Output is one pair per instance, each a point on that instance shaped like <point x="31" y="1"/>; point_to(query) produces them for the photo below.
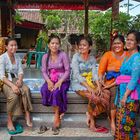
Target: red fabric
<point x="30" y="25"/>
<point x="61" y="6"/>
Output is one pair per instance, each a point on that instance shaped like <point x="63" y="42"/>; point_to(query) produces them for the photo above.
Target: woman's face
<point x="54" y="45"/>
<point x="117" y="45"/>
<point x="84" y="47"/>
<point x="131" y="43"/>
<point x="12" y="47"/>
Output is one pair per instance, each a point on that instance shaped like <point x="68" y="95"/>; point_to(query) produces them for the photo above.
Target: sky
<point x="133" y="10"/>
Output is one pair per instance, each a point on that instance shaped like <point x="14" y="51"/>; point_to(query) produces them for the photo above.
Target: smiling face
<point x="84" y="47"/>
<point x="54" y="45"/>
<point x="117" y="45"/>
<point x="12" y="47"/>
<point x="131" y="43"/>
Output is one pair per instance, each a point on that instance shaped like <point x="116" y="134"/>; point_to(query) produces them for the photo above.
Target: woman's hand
<point x="15" y="89"/>
<point x="99" y="91"/>
<point x="19" y="83"/>
<point x="58" y="85"/>
<point x="123" y="101"/>
<point x="90" y="92"/>
<point x="50" y="85"/>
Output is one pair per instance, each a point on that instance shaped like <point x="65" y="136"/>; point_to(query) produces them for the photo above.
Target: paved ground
<point x="73" y="128"/>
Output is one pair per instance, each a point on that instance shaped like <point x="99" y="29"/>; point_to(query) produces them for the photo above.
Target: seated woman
<point x="16" y="93"/>
<point x="56" y="72"/>
<point x="110" y="65"/>
<point x="84" y="73"/>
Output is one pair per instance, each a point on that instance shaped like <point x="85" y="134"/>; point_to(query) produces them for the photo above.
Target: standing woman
<point x="15" y="91"/>
<point x="110" y="64"/>
<point x="56" y="72"/>
<point x="129" y="91"/>
<point x="84" y="64"/>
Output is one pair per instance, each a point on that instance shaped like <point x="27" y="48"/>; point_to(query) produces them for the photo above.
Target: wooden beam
<point x="86" y="6"/>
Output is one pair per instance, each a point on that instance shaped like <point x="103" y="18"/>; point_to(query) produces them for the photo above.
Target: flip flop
<point x="11" y="132"/>
<point x="55" y="130"/>
<point x="43" y="129"/>
<point x="19" y="128"/>
<point x="100" y="130"/>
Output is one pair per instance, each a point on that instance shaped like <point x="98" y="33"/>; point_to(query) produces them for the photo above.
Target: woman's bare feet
<point x="112" y="125"/>
<point x="61" y="115"/>
<point x="10" y="125"/>
<point x="28" y="119"/>
<point x="88" y="119"/>
<point x="57" y="121"/>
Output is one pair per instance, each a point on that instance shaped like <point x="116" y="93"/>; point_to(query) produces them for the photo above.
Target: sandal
<point x="19" y="128"/>
<point x="43" y="129"/>
<point x="99" y="130"/>
<point x="55" y="130"/>
<point x="11" y="132"/>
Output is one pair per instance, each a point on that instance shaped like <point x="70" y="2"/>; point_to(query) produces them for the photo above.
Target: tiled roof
<point x="33" y="16"/>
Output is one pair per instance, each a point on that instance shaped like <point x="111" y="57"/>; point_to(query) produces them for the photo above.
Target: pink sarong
<point x="126" y="79"/>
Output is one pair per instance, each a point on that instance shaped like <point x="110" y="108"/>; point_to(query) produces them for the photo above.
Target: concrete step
<point x="73" y="128"/>
<point x="76" y="104"/>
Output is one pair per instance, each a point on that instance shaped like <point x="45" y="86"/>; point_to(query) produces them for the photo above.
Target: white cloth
<point x="7" y="67"/>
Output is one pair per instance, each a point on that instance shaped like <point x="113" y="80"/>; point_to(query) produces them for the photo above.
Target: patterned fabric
<point x="126" y="122"/>
<point x="126" y="116"/>
<point x="101" y="102"/>
<point x="1" y="85"/>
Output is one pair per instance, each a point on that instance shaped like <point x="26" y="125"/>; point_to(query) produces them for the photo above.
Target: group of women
<point x="114" y="88"/>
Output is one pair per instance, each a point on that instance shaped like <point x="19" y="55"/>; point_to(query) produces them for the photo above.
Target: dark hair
<point x="52" y="36"/>
<point x="137" y="36"/>
<point x="73" y="39"/>
<point x="120" y="37"/>
<point x="85" y="37"/>
<point x="8" y="40"/>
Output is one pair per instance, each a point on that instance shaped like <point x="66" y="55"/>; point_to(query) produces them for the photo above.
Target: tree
<point x="136" y="23"/>
<point x="17" y="18"/>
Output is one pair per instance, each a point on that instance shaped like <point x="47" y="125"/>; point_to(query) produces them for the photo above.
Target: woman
<point x="84" y="73"/>
<point x="128" y="95"/>
<point x="56" y="72"/>
<point x="15" y="91"/>
<point x="110" y="64"/>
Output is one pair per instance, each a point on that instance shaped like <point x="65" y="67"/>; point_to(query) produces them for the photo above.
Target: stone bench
<point x="76" y="104"/>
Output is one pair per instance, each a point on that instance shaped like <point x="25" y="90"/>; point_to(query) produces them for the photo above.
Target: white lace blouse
<point x="7" y="67"/>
